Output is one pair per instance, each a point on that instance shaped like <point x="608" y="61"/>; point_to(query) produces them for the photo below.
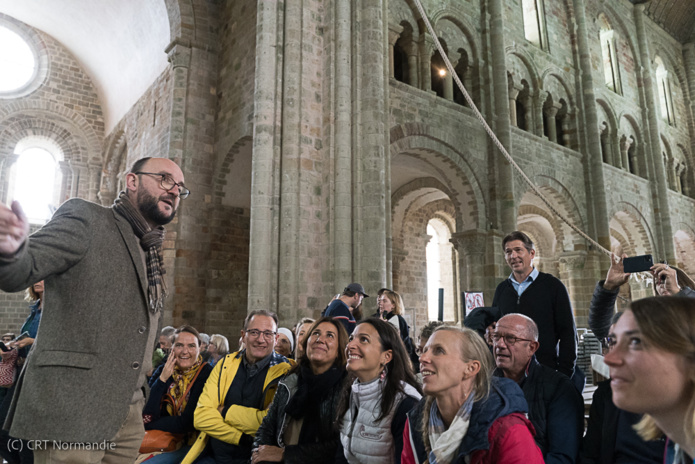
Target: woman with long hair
<point x="300" y="424"/>
<point x="384" y="390"/>
<point x="652" y="367"/>
<point x="467" y="416"/>
<point x="174" y="394"/>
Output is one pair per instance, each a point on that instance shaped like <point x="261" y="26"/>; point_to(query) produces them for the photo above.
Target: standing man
<point x="555" y="407"/>
<point x="238" y="392"/>
<point x="342" y="307"/>
<point x="541" y="297"/>
<point x="103" y="274"/>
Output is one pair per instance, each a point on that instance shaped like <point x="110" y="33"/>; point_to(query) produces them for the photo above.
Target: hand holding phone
<point x="638" y="263"/>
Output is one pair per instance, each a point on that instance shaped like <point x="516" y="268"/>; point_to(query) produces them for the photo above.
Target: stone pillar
<point x="595" y="185"/>
<point x="412" y="67"/>
<point x="395" y="31"/>
<point x="538" y="111"/>
<point x="290" y="279"/>
<point x="372" y="140"/>
<point x="689" y="65"/>
<point x="572" y="275"/>
<point x="94" y="181"/>
<point x="550" y="114"/>
<point x="471" y="247"/>
<point x="624" y="148"/>
<point x="448" y="86"/>
<point x="263" y="242"/>
<point x="664" y="233"/>
<point x="513" y="94"/>
<point x="426" y="51"/>
<point x="503" y="191"/>
<point x="343" y="165"/>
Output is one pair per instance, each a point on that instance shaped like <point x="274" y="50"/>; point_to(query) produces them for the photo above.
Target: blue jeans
<point x="173" y="457"/>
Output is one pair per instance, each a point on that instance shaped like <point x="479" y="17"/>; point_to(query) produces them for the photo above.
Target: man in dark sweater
<point x="555" y="407"/>
<point x="541" y="297"/>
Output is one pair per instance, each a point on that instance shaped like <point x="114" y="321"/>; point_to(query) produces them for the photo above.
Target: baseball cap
<point x="357" y="288"/>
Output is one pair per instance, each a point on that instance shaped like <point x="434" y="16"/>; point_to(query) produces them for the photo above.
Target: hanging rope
<point x="494" y="138"/>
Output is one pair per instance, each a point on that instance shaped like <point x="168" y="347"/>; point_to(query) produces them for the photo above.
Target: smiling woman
<point x="300" y="425"/>
<point x="465" y="407"/>
<point x="175" y="388"/>
<point x="652" y="365"/>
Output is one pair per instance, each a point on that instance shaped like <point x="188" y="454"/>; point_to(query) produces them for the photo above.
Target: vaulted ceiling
<point x="120" y="43"/>
<point x="677" y="17"/>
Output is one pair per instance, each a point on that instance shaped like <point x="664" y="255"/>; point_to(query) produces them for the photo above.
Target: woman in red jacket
<point x="467" y="415"/>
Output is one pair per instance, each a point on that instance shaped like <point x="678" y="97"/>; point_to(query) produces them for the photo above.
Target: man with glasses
<point x="237" y="394"/>
<point x="556" y="409"/>
<point x="104" y="287"/>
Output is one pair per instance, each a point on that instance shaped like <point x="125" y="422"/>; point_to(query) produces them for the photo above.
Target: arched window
<point x="440" y="270"/>
<point x="439" y="74"/>
<point x="17" y="61"/>
<point x="34" y="178"/>
<point x="663" y="85"/>
<point x="534" y="23"/>
<point x="611" y="65"/>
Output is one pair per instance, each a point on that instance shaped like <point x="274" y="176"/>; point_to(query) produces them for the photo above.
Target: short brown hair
<point x="517" y="235"/>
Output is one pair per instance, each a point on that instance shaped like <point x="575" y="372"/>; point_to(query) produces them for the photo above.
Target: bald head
<point x="153" y="185"/>
<point x="525" y="324"/>
<point x="515" y="341"/>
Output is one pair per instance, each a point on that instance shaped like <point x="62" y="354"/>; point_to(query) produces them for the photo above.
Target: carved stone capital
<point x="469" y="242"/>
<point x="180" y="56"/>
<point x="572" y="261"/>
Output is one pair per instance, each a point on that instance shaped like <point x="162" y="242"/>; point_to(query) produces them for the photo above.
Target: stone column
<point x="538" y="111"/>
<point x="395" y="31"/>
<point x="263" y="243"/>
<point x="550" y="114"/>
<point x="343" y="164"/>
<point x="689" y="65"/>
<point x="664" y="233"/>
<point x="448" y="86"/>
<point x="624" y="148"/>
<point x="426" y="51"/>
<point x="290" y="281"/>
<point x="571" y="274"/>
<point x="412" y="67"/>
<point x="595" y="185"/>
<point x="513" y="94"/>
<point x="503" y="191"/>
<point x="372" y="140"/>
<point x="94" y="181"/>
<point x="471" y="247"/>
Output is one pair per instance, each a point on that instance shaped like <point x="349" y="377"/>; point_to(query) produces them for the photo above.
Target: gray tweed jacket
<point x="96" y="334"/>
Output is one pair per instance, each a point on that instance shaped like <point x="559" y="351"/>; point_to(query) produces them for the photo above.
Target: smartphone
<point x="638" y="263"/>
<point x="4" y="348"/>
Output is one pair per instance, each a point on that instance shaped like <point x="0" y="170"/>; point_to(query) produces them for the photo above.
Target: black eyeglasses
<point x="168" y="183"/>
<point x="255" y="333"/>
<point x="509" y="339"/>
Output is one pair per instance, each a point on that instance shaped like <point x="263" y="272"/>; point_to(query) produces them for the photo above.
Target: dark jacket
<point x="556" y="410"/>
<point x="602" y="308"/>
<point x="273" y="427"/>
<point x="546" y="302"/>
<point x="608" y="426"/>
<point x="155" y="411"/>
<point x="498" y="431"/>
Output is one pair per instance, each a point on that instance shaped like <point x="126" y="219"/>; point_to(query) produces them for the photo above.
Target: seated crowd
<point x="342" y="389"/>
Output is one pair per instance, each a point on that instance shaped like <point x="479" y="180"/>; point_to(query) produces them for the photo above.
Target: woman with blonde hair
<point x="391" y="308"/>
<point x="652" y="366"/>
<point x="218" y="348"/>
<point x="467" y="415"/>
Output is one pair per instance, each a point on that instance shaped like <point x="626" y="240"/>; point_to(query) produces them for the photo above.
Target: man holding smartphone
<point x="104" y="287"/>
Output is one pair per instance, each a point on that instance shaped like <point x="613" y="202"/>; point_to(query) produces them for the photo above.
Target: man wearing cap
<point x="341" y="308"/>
